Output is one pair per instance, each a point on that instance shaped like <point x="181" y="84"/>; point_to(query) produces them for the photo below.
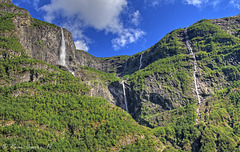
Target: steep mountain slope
<point x="163" y="92"/>
<point x="44" y="106"/>
<point x="168" y="83"/>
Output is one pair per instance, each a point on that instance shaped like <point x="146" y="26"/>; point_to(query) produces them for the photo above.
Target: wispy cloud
<point x="135" y="17"/>
<point x="155" y="3"/>
<point x="235" y="3"/>
<point x="33" y="2"/>
<point x="197" y="3"/>
<point x="126" y="37"/>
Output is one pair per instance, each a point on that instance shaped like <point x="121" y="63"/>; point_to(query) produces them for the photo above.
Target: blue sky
<point x="108" y="28"/>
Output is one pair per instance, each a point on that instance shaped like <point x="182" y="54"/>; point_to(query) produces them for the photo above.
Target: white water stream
<point x="140" y="64"/>
<point x="62" y="59"/>
<point x="194" y="73"/>
<point x="124" y="94"/>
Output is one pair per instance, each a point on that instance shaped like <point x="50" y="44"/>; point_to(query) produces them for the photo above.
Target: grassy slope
<point x="216" y="53"/>
<point x="50" y="107"/>
<point x="53" y="109"/>
<point x="215" y="50"/>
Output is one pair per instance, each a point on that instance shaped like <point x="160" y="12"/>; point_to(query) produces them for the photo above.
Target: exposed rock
<point x="6" y="1"/>
<point x="8" y="7"/>
<point x="110" y="65"/>
<point x="43" y="42"/>
<point x="229" y="24"/>
<point x="100" y="90"/>
<point x="116" y="90"/>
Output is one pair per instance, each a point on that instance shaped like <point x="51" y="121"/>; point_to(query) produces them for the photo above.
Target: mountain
<point x="181" y="94"/>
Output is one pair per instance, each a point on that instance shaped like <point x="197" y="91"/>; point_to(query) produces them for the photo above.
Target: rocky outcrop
<point x="229" y="24"/>
<point x="161" y="91"/>
<point x="42" y="41"/>
<point x="86" y="59"/>
<point x="8" y="7"/>
<point x="113" y="93"/>
<point x="30" y="75"/>
<point x="111" y="65"/>
<point x="116" y="90"/>
<point x="6" y="2"/>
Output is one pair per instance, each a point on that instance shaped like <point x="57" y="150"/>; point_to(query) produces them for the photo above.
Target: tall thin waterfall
<point x="124" y="94"/>
<point x="62" y="60"/>
<point x="140" y="64"/>
<point x="195" y="70"/>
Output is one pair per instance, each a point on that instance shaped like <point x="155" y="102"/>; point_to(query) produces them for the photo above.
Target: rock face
<point x="6" y="1"/>
<point x="148" y="92"/>
<point x="160" y="92"/>
<point x="116" y="90"/>
<point x="43" y="42"/>
<point x="226" y="24"/>
<point x="126" y="65"/>
<point x="8" y="7"/>
<point x="110" y="65"/>
<point x="113" y="93"/>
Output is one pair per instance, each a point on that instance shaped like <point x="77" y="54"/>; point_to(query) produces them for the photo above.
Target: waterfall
<point x="62" y="60"/>
<point x="140" y="64"/>
<point x="72" y="72"/>
<point x="195" y="70"/>
<point x="124" y="94"/>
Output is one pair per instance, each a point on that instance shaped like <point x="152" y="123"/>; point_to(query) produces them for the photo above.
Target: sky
<point x="106" y="28"/>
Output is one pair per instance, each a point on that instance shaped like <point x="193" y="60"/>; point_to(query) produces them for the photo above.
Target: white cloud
<point x="235" y="3"/>
<point x="33" y="2"/>
<point x="126" y="37"/>
<point x="155" y="3"/>
<point x="81" y="45"/>
<point x="196" y="2"/>
<point x="104" y="15"/>
<point x="100" y="14"/>
<point x="135" y="17"/>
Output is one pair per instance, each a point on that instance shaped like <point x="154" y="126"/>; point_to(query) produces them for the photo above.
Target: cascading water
<point x="194" y="73"/>
<point x="124" y="94"/>
<point x="140" y="64"/>
<point x="62" y="59"/>
<point x="72" y="72"/>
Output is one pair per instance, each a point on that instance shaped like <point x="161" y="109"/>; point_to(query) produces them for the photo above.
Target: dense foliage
<point x="96" y="75"/>
<point x="44" y="107"/>
<point x="53" y="113"/>
<point x="217" y="54"/>
<point x="36" y="23"/>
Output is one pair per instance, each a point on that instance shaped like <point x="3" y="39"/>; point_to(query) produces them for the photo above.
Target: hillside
<point x="182" y="94"/>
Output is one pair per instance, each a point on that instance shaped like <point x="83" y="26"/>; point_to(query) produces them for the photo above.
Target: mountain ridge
<point x="69" y="112"/>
